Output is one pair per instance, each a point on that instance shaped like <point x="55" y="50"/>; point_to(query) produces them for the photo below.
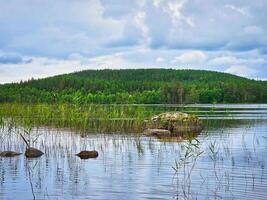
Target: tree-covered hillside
<point x="137" y="86"/>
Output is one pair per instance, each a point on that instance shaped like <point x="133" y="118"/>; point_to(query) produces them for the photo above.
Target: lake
<point x="226" y="161"/>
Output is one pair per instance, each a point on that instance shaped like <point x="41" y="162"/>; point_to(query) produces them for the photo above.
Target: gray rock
<point x="177" y="123"/>
<point x="9" y="154"/>
<point x="87" y="154"/>
<point x="33" y="153"/>
<point x="157" y="132"/>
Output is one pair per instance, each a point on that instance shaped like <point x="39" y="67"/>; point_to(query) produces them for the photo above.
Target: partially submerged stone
<point x="33" y="153"/>
<point x="87" y="154"/>
<point x="157" y="132"/>
<point x="9" y="154"/>
<point x="177" y="123"/>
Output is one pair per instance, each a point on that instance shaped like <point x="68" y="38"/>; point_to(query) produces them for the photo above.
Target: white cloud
<point x="174" y="9"/>
<point x="224" y="60"/>
<point x="241" y="70"/>
<point x="115" y="61"/>
<point x="232" y="60"/>
<point x="253" y="30"/>
<point x="160" y="60"/>
<point x="190" y="22"/>
<point x="95" y="33"/>
<point x="139" y="20"/>
<point x="178" y="17"/>
<point x="41" y="67"/>
<point x="250" y="64"/>
<point x="191" y="57"/>
<point x="156" y="3"/>
<point x="56" y="27"/>
<point x="239" y="10"/>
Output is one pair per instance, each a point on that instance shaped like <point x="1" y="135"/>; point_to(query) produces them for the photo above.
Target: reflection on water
<point x="226" y="161"/>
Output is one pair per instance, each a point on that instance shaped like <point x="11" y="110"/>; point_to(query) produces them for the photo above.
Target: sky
<point x="45" y="38"/>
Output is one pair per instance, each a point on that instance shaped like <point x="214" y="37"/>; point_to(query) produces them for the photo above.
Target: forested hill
<point x="137" y="86"/>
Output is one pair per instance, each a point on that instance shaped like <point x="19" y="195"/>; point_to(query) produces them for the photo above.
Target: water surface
<point x="226" y="161"/>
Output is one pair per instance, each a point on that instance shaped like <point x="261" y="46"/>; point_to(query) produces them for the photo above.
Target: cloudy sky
<point x="43" y="38"/>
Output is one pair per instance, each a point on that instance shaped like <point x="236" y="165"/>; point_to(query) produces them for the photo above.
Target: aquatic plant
<point x="185" y="165"/>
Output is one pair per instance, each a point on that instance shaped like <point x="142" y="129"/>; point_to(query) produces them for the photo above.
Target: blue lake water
<point x="226" y="161"/>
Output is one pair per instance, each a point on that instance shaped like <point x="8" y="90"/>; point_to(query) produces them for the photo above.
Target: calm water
<point x="226" y="161"/>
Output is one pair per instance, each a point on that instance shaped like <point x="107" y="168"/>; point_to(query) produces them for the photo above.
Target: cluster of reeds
<point x="89" y="118"/>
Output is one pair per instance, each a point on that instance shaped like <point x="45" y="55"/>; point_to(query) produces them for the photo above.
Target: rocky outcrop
<point x="87" y="154"/>
<point x="9" y="154"/>
<point x="173" y="124"/>
<point x="33" y="153"/>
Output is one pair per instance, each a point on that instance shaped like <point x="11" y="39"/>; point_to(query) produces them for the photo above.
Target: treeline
<point x="145" y="86"/>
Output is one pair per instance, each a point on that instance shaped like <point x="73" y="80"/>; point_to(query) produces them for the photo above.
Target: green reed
<point x="106" y="118"/>
<point x="100" y="118"/>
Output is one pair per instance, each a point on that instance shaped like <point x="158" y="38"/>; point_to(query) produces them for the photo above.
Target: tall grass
<point x="93" y="117"/>
<point x="101" y="118"/>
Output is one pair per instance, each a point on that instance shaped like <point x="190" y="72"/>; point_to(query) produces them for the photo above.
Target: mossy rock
<point x="177" y="123"/>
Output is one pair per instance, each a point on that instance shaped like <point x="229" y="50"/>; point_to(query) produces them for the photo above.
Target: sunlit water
<point x="229" y="162"/>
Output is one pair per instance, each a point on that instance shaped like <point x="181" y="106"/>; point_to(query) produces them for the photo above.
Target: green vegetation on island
<point x="137" y="86"/>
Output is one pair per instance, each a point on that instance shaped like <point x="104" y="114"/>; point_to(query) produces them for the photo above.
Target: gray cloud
<point x="10" y="59"/>
<point x="217" y="35"/>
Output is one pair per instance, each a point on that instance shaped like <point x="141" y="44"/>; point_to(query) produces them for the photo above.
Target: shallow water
<point x="227" y="161"/>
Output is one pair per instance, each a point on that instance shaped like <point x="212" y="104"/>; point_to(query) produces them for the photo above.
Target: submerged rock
<point x="33" y="153"/>
<point x="157" y="132"/>
<point x="177" y="123"/>
<point x="9" y="154"/>
<point x="87" y="154"/>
